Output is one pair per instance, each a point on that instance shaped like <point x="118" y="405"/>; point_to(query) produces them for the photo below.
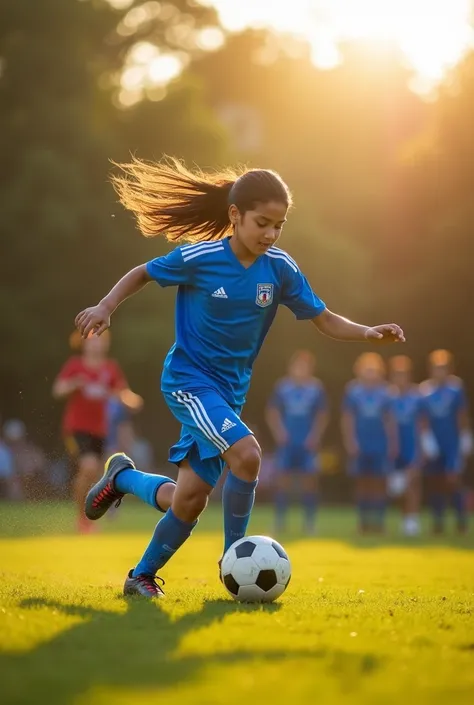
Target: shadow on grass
<point x="134" y="650"/>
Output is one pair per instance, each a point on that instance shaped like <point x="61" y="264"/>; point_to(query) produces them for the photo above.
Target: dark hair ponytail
<point x="170" y="200"/>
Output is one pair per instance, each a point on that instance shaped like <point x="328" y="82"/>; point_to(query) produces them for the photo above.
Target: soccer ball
<point x="256" y="569"/>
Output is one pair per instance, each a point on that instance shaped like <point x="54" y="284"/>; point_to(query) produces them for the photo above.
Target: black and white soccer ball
<point x="256" y="569"/>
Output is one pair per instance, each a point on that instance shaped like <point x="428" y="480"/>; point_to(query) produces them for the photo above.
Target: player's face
<point x="440" y="372"/>
<point x="401" y="378"/>
<point x="370" y="374"/>
<point x="259" y="229"/>
<point x="96" y="346"/>
<point x="300" y="369"/>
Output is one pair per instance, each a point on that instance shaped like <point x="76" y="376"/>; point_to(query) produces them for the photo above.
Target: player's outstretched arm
<point x="97" y="318"/>
<point x="340" y="328"/>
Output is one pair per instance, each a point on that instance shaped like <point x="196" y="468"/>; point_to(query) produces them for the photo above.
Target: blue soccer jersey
<point x="441" y="404"/>
<point x="299" y="405"/>
<point x="406" y="411"/>
<point x="369" y="406"/>
<point x="224" y="311"/>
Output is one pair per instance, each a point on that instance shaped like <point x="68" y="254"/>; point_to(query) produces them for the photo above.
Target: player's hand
<point x="95" y="319"/>
<point x="133" y="402"/>
<point x="386" y="333"/>
<point x="78" y="382"/>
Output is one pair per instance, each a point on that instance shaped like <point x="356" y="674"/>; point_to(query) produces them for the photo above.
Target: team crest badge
<point x="264" y="295"/>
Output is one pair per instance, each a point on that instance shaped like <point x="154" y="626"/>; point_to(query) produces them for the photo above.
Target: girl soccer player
<point x="297" y="418"/>
<point x="231" y="279"/>
<point x="87" y="381"/>
<point x="447" y="438"/>
<point x="369" y="436"/>
<point x="405" y="397"/>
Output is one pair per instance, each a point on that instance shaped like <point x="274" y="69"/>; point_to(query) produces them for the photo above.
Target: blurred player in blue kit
<point x="230" y="280"/>
<point x="120" y="411"/>
<point x="297" y="417"/>
<point x="406" y="476"/>
<point x="370" y="439"/>
<point x="446" y="439"/>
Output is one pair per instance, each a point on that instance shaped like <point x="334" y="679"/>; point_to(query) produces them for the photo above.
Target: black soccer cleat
<point x="103" y="494"/>
<point x="143" y="585"/>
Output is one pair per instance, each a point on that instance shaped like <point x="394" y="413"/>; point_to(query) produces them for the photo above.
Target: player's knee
<point x="247" y="461"/>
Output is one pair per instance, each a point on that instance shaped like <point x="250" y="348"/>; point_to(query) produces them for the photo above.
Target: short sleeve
<point x="388" y="403"/>
<point x="419" y="408"/>
<point x="348" y="401"/>
<point x="171" y="269"/>
<point x="276" y="398"/>
<point x="461" y="398"/>
<point x="322" y="400"/>
<point x="70" y="369"/>
<point x="422" y="405"/>
<point x="298" y="296"/>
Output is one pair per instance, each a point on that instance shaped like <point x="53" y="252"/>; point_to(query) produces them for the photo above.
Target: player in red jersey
<point x="87" y="381"/>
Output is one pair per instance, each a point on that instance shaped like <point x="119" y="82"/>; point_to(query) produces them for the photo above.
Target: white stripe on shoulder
<point x="273" y="255"/>
<point x="204" y="250"/>
<point x="198" y="245"/>
<point x="279" y="251"/>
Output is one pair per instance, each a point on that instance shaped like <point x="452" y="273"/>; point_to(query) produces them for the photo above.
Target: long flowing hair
<point x="182" y="205"/>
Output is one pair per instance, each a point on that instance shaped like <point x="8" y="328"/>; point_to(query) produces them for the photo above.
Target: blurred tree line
<point x="382" y="181"/>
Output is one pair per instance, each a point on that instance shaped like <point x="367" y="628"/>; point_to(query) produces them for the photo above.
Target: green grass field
<point x="363" y="621"/>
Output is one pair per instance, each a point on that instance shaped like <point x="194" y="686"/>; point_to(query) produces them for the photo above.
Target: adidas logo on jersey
<point x="227" y="425"/>
<point x="220" y="293"/>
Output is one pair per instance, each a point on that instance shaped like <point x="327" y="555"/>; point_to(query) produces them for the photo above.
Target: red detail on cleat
<point x="108" y="493"/>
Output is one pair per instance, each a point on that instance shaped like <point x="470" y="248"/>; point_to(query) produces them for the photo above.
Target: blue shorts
<point x="373" y="464"/>
<point x="296" y="459"/>
<point x="209" y="427"/>
<point x="449" y="462"/>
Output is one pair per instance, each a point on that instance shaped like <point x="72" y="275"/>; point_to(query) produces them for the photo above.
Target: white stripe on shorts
<point x="193" y="409"/>
<point x="204" y="413"/>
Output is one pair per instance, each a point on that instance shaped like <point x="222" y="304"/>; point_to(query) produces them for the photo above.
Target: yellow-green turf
<point x="363" y="622"/>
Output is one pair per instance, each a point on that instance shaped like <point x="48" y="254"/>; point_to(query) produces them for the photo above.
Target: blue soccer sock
<point x="379" y="508"/>
<point x="281" y="507"/>
<point x="310" y="504"/>
<point x="460" y="506"/>
<point x="238" y="497"/>
<point x="438" y="506"/>
<point x="169" y="535"/>
<point x="363" y="510"/>
<point x="143" y="485"/>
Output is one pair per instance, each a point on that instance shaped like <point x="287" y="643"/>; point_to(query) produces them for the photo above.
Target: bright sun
<point x="431" y="34"/>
